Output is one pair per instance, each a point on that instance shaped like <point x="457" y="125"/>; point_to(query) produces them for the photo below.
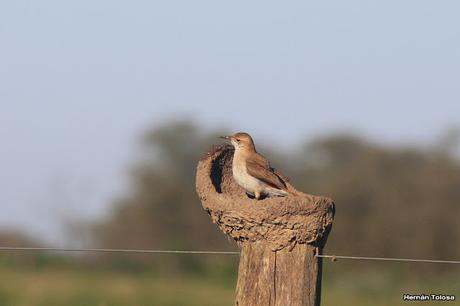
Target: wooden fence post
<point x="279" y="237"/>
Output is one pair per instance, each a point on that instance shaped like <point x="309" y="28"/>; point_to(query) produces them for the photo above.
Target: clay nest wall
<point x="283" y="222"/>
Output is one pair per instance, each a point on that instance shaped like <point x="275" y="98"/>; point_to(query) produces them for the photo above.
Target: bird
<point x="252" y="171"/>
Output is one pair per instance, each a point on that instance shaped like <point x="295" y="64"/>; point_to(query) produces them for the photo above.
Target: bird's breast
<point x="241" y="176"/>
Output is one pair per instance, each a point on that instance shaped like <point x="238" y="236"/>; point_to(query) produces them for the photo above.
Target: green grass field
<point x="77" y="285"/>
<point x="70" y="287"/>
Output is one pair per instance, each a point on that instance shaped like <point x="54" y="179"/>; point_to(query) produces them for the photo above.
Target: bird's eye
<point x="237" y="140"/>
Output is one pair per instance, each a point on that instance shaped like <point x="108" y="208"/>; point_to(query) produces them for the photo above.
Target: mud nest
<point x="282" y="222"/>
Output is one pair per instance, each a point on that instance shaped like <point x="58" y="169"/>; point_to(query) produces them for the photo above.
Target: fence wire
<point x="139" y="251"/>
<point x="335" y="257"/>
<point x="198" y="252"/>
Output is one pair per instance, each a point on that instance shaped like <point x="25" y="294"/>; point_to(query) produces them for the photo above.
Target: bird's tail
<point x="278" y="192"/>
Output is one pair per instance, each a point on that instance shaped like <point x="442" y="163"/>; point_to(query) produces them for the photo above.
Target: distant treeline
<point x="390" y="201"/>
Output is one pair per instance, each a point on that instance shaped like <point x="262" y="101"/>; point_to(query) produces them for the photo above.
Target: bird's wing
<point x="258" y="167"/>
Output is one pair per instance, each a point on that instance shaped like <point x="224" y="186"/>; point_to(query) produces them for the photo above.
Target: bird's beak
<point x="226" y="137"/>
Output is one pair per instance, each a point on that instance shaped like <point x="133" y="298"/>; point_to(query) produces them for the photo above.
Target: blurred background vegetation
<point x="80" y="80"/>
<point x="395" y="201"/>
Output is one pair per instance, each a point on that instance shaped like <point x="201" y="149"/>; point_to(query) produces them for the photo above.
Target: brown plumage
<point x="252" y="171"/>
<point x="259" y="167"/>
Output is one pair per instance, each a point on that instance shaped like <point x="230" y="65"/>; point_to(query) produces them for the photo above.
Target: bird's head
<point x="240" y="140"/>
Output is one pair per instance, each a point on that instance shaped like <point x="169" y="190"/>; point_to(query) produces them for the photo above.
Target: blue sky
<point x="80" y="80"/>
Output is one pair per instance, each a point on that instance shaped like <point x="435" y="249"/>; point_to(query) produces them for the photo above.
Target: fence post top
<point x="282" y="222"/>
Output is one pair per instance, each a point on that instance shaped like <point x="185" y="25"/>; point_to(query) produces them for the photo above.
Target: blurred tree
<point x="16" y="239"/>
<point x="162" y="210"/>
<point x="391" y="201"/>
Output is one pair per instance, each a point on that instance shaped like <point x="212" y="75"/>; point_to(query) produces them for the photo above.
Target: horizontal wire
<point x="116" y="250"/>
<point x="334" y="257"/>
<point x="149" y="251"/>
